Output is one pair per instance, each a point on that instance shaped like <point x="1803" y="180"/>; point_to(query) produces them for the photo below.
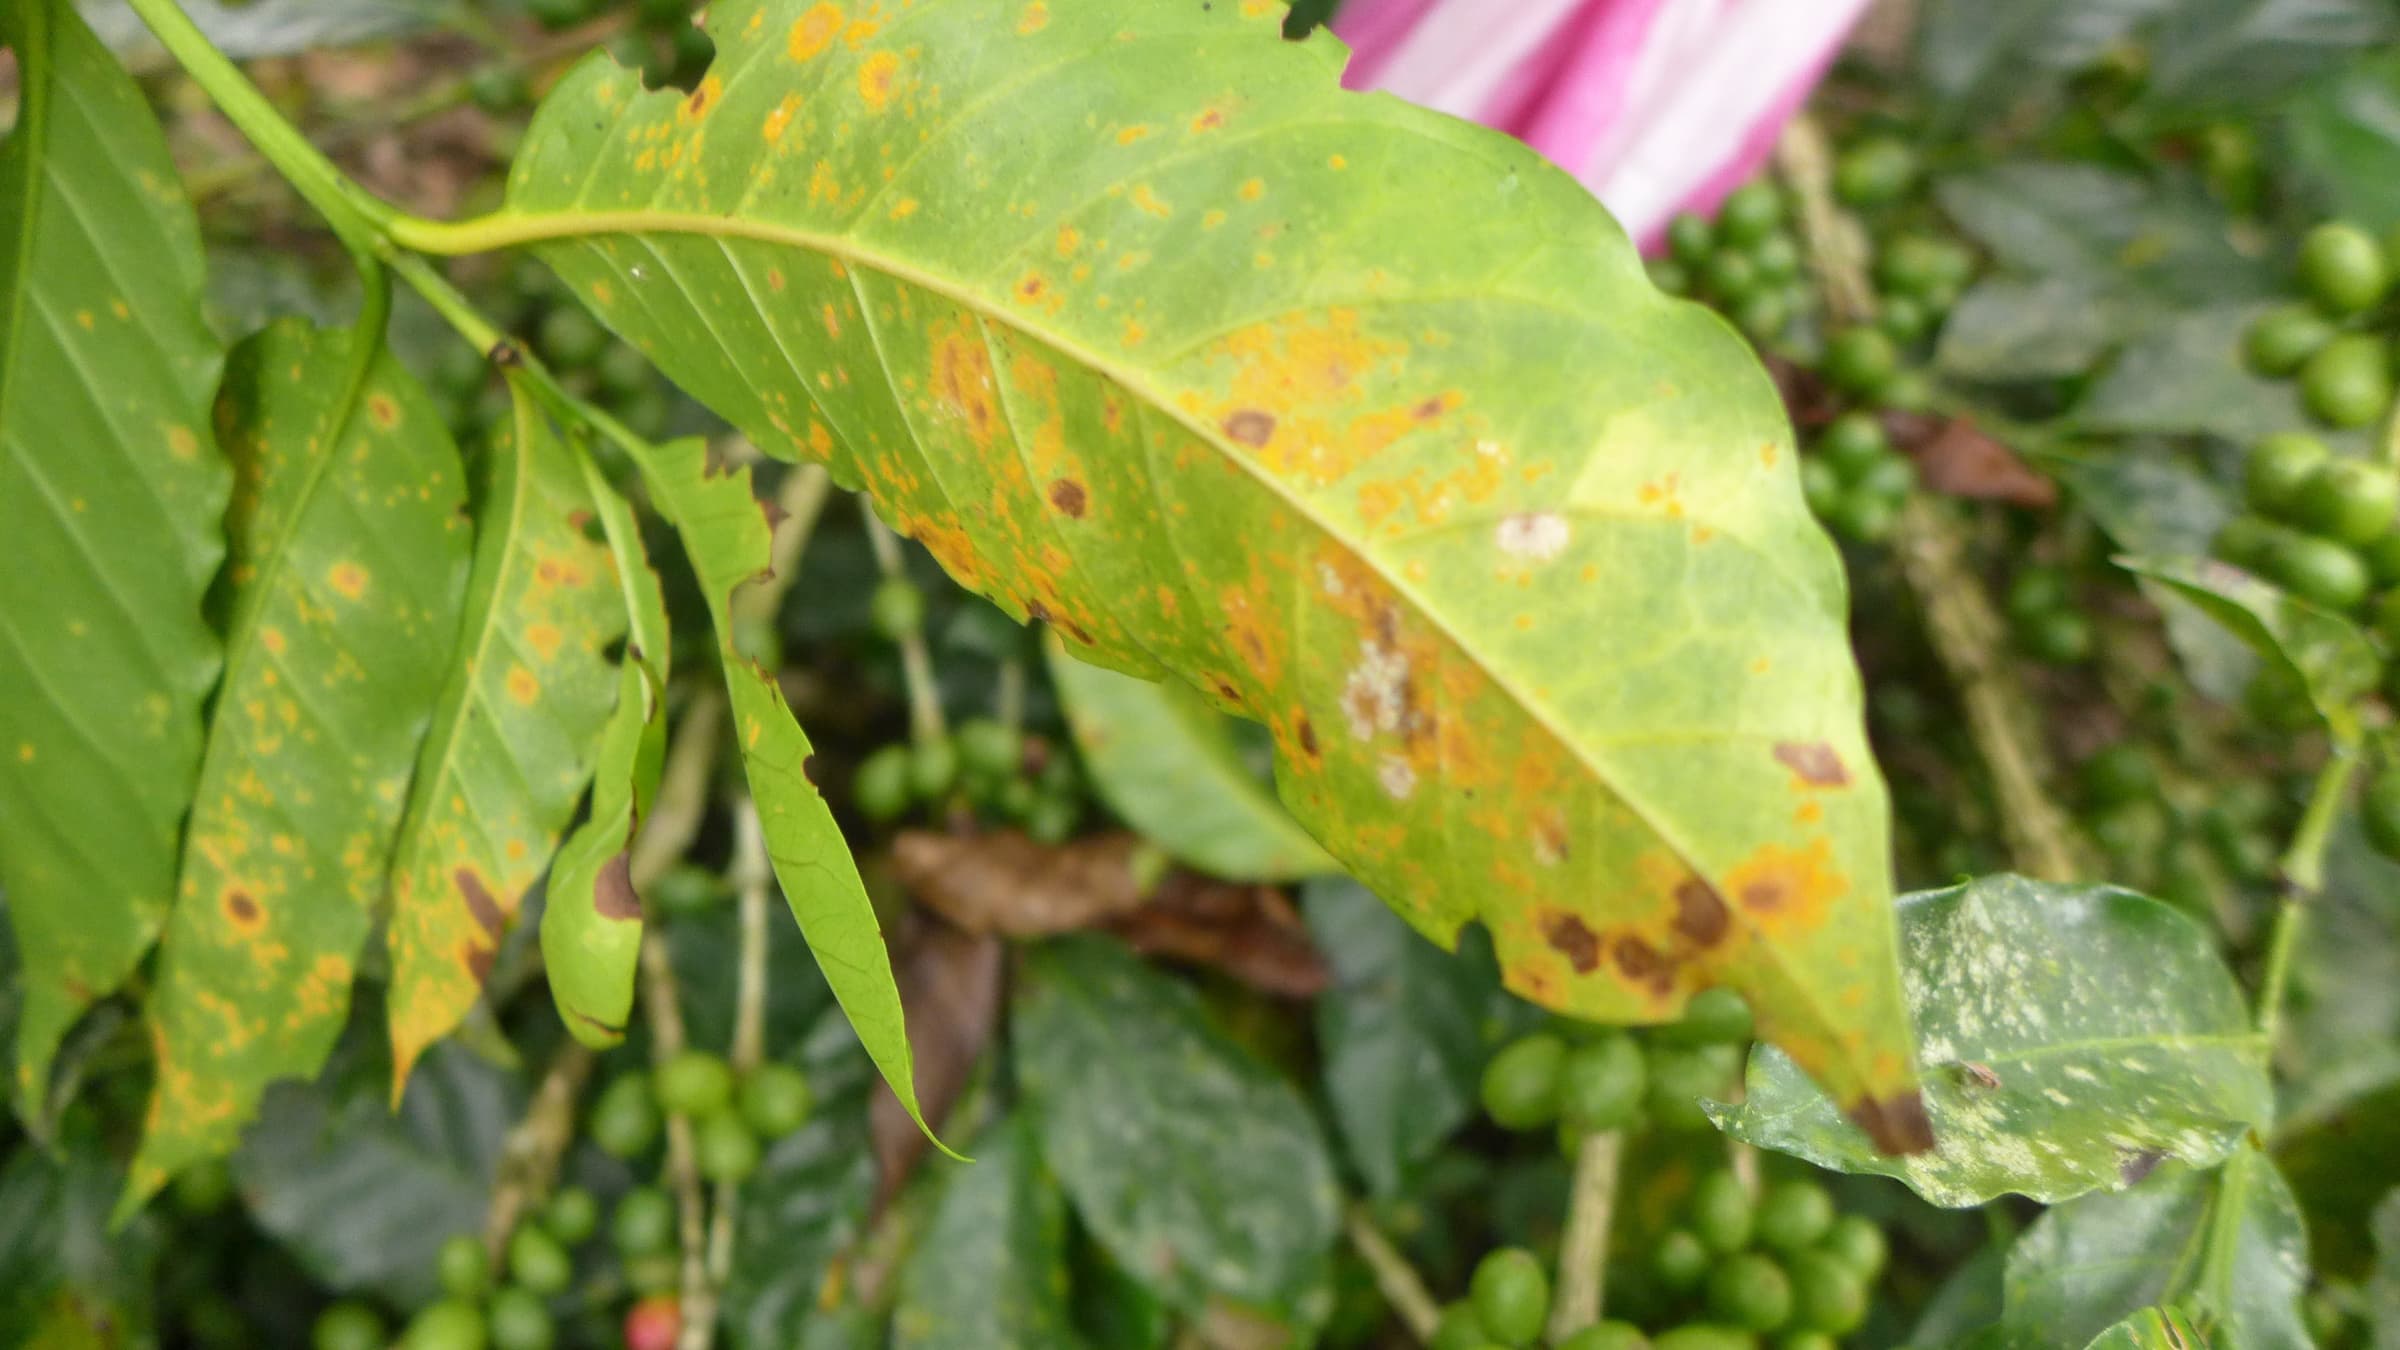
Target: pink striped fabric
<point x="1658" y="106"/>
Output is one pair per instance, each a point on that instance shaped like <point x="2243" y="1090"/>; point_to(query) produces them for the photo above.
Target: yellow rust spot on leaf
<point x="181" y="443"/>
<point x="383" y="410"/>
<point x="522" y="686"/>
<point x="1788" y="890"/>
<point x="814" y="31"/>
<point x="1252" y="189"/>
<point x="1035" y="18"/>
<point x="875" y="78"/>
<point x="962" y="380"/>
<point x="272" y="639"/>
<point x="702" y="101"/>
<point x="544" y="638"/>
<point x="348" y="579"/>
<point x="904" y="208"/>
<point x="1151" y="202"/>
<point x="778" y="118"/>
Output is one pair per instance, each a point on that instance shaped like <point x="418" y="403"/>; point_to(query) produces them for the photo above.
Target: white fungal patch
<point x="1535" y="536"/>
<point x="1374" y="695"/>
<point x="1398" y="777"/>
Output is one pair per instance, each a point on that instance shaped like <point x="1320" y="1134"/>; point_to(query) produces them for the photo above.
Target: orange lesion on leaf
<point x="904" y="208"/>
<point x="181" y="443"/>
<point x="1145" y="199"/>
<point x="814" y="31"/>
<point x="545" y="639"/>
<point x="383" y="410"/>
<point x="348" y="579"/>
<point x="876" y="78"/>
<point x="1664" y="494"/>
<point x="779" y="118"/>
<point x="702" y="101"/>
<point x="1252" y="189"/>
<point x="522" y="686"/>
<point x="1788" y="889"/>
<point x="962" y="380"/>
<point x="1138" y="131"/>
<point x="1035" y="18"/>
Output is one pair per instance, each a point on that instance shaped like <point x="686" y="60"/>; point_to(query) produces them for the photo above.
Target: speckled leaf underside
<point x="514" y="738"/>
<point x="349" y="541"/>
<point x="1360" y="420"/>
<point x="2073" y="1037"/>
<point x="112" y="494"/>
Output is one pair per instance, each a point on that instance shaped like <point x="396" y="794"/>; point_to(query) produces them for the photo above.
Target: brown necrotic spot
<point x="240" y="908"/>
<point x="1573" y="939"/>
<point x="1700" y="913"/>
<point x="1896" y="1124"/>
<point x="1250" y="426"/>
<point x="613" y="896"/>
<point x="1067" y="495"/>
<point x="480" y="904"/>
<point x="1814" y="763"/>
<point x="477" y="959"/>
<point x="1638" y="961"/>
<point x="1307" y="732"/>
<point x="808" y="770"/>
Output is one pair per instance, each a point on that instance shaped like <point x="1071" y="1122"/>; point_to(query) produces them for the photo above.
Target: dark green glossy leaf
<point x="112" y="493"/>
<point x="513" y="739"/>
<point x="1966" y="1302"/>
<point x="591" y="918"/>
<point x="2073" y="1036"/>
<point x="2214" y="56"/>
<point x="1168" y="765"/>
<point x="2185" y="376"/>
<point x="2342" y="1012"/>
<point x="1196" y="1165"/>
<point x="1163" y="358"/>
<point x="2154" y="504"/>
<point x="1976" y="58"/>
<point x="990" y="1271"/>
<point x="2344" y="136"/>
<point x="2323" y="652"/>
<point x="2011" y="328"/>
<point x="349" y="552"/>
<point x="363" y="1195"/>
<point x="1403" y="1031"/>
<point x="61" y="1265"/>
<point x="2084" y="1266"/>
<point x="808" y="1201"/>
<point x="2383" y="1287"/>
<point x="728" y="535"/>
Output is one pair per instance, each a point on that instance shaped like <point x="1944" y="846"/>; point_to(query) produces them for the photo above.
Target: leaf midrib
<point x="511" y="226"/>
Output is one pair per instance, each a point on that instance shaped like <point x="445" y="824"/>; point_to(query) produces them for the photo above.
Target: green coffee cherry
<point x="2348" y="383"/>
<point x="2348" y="500"/>
<point x="1860" y="361"/>
<point x="1909" y="391"/>
<point x="2035" y="591"/>
<point x="1750" y="1291"/>
<point x="1875" y="172"/>
<point x="1923" y="268"/>
<point x="1691" y="239"/>
<point x="1762" y="315"/>
<point x="1511" y="1293"/>
<point x="497" y="88"/>
<point x="932" y="769"/>
<point x="776" y="1100"/>
<point x="520" y="1321"/>
<point x="725" y="1147"/>
<point x="1680" y="1078"/>
<point x="2062" y="637"/>
<point x="1777" y="257"/>
<point x="1601" y="1084"/>
<point x="897" y="609"/>
<point x="2276" y="468"/>
<point x="2245" y="541"/>
<point x="625" y="1118"/>
<point x="2280" y="341"/>
<point x="1793" y="1216"/>
<point x="1711" y="1017"/>
<point x="1750" y="212"/>
<point x="2383" y="559"/>
<point x="1607" y="1336"/>
<point x="1521" y="1083"/>
<point x="644" y="1223"/>
<point x="462" y="1266"/>
<point x="2119" y="774"/>
<point x="348" y="1325"/>
<point x="571" y="339"/>
<point x="1670" y="276"/>
<point x="2342" y="268"/>
<point x="1719" y="1213"/>
<point x="1459" y="1329"/>
<point x="693" y="1083"/>
<point x="881" y="788"/>
<point x="1866" y="517"/>
<point x="989" y="748"/>
<point x="538" y="1262"/>
<point x="1858" y="1243"/>
<point x="2317" y="570"/>
<point x="1680" y="1261"/>
<point x="1852" y="443"/>
<point x="1703" y="1336"/>
<point x="1904" y="319"/>
<point x="1053" y="819"/>
<point x="1731" y="278"/>
<point x="1820" y="486"/>
<point x="452" y="1324"/>
<point x="688" y="888"/>
<point x="1827" y="1295"/>
<point x="571" y="1215"/>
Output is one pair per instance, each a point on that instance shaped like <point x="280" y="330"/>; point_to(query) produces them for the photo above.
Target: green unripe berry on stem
<point x="725" y="1147"/>
<point x="1793" y="1216"/>
<point x="2280" y="341"/>
<point x="1868" y="517"/>
<point x="2348" y="383"/>
<point x="2347" y="500"/>
<point x="1777" y="256"/>
<point x="1875" y="172"/>
<point x="989" y="747"/>
<point x="1827" y="1295"/>
<point x="1703" y="1336"/>
<point x="452" y="1324"/>
<point x="2317" y="570"/>
<point x="2342" y="268"/>
<point x="1459" y="1329"/>
<point x="1511" y="1293"/>
<point x="1712" y="1017"/>
<point x="1750" y="1291"/>
<point x="1691" y="239"/>
<point x="1750" y="212"/>
<point x="520" y="1321"/>
<point x="2276" y="467"/>
<point x="1680" y="1078"/>
<point x="881" y="788"/>
<point x="932" y="769"/>
<point x="538" y="1262"/>
<point x="776" y="1100"/>
<point x="1731" y="278"/>
<point x="1852" y="443"/>
<point x="1521" y="1084"/>
<point x="1719" y="1213"/>
<point x="2061" y="637"/>
<point x="644" y="1222"/>
<point x="1904" y="319"/>
<point x="348" y="1325"/>
<point x="1762" y="315"/>
<point x="1680" y="1261"/>
<point x="2035" y="591"/>
<point x="693" y="1083"/>
<point x="1859" y="1244"/>
<point x="2246" y="540"/>
<point x="1601" y="1085"/>
<point x="897" y="609"/>
<point x="2119" y="774"/>
<point x="1820" y="486"/>
<point x="1607" y="1336"/>
<point x="571" y="1215"/>
<point x="1860" y="361"/>
<point x="462" y="1266"/>
<point x="1670" y="276"/>
<point x="1908" y="391"/>
<point x="625" y="1119"/>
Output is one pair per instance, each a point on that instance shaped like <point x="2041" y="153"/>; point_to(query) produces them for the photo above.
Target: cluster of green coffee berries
<point x="1581" y="1078"/>
<point x="2331" y="343"/>
<point x="2318" y="525"/>
<point x="984" y="763"/>
<point x="1746" y="263"/>
<point x="2044" y="619"/>
<point x="1734" y="1269"/>
<point x="1919" y="275"/>
<point x="1854" y="479"/>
